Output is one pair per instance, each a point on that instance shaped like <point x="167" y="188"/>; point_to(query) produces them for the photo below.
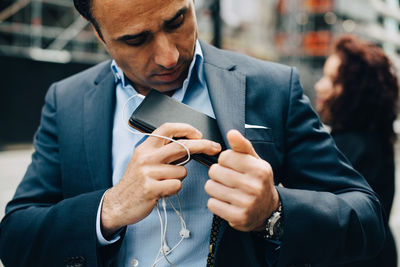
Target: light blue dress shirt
<point x="142" y="240"/>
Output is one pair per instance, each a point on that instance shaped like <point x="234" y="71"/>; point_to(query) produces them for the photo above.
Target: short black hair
<point x="84" y="8"/>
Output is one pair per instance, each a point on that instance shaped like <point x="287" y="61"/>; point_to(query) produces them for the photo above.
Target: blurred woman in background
<point x="357" y="97"/>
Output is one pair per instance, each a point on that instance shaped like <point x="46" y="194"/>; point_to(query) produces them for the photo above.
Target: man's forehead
<point x="137" y="7"/>
<point x="139" y="14"/>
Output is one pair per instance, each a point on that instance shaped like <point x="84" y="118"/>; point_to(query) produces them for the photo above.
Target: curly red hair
<point x="370" y="89"/>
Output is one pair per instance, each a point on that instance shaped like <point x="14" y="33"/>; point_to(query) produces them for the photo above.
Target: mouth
<point x="168" y="76"/>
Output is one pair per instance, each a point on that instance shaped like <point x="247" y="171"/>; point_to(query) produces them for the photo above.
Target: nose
<point x="166" y="54"/>
<point x="317" y="86"/>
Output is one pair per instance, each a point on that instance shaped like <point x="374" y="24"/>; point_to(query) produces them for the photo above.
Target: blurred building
<point x="40" y="42"/>
<point x="306" y="29"/>
<point x="248" y="27"/>
<point x="49" y="31"/>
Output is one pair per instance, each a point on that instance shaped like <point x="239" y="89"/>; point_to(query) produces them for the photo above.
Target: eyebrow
<point x="133" y="36"/>
<point x="144" y="33"/>
<point x="180" y="12"/>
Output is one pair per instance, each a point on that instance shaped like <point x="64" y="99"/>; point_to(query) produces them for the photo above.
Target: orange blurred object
<point x="281" y="7"/>
<point x="318" y="6"/>
<point x="317" y="43"/>
<point x="280" y="41"/>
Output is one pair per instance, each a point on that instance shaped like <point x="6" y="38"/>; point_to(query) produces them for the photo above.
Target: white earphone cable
<point x="184" y="232"/>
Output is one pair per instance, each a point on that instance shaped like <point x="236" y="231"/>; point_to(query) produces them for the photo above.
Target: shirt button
<point x="134" y="263"/>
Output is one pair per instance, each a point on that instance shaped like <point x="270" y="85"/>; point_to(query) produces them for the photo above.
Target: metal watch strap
<point x="271" y="223"/>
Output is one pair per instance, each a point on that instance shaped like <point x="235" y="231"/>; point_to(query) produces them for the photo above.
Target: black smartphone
<point x="157" y="109"/>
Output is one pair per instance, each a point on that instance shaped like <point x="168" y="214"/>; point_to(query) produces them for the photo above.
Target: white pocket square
<point x="250" y="126"/>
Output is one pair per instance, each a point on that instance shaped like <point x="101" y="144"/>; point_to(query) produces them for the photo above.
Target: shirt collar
<point x="196" y="66"/>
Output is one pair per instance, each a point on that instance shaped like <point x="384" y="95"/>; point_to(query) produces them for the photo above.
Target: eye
<point x="137" y="40"/>
<point x="176" y="23"/>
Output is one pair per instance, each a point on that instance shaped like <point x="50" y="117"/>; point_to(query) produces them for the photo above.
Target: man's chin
<point x="166" y="91"/>
<point x="167" y="88"/>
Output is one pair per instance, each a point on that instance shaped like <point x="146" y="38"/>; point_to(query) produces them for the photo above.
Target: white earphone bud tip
<point x="185" y="233"/>
<point x="166" y="248"/>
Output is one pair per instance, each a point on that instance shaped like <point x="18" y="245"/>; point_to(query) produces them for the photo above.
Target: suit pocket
<point x="256" y="135"/>
<point x="265" y="146"/>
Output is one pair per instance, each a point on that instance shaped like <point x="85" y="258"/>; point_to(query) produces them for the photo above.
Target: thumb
<point x="240" y="144"/>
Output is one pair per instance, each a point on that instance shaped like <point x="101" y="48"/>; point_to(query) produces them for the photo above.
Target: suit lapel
<point x="227" y="89"/>
<point x="98" y="124"/>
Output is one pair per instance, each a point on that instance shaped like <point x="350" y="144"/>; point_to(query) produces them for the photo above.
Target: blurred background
<point x="42" y="41"/>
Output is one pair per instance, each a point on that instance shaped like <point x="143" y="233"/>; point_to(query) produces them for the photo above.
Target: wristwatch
<point x="274" y="225"/>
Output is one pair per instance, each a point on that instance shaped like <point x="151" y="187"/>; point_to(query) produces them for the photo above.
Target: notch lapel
<point x="98" y="122"/>
<point x="227" y="89"/>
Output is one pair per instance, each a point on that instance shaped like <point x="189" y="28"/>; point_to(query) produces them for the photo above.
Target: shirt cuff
<point x="100" y="238"/>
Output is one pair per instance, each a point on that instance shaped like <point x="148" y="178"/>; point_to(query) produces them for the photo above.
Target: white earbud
<point x="166" y="248"/>
<point x="184" y="233"/>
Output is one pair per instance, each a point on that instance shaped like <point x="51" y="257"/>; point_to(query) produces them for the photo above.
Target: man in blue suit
<point x="281" y="195"/>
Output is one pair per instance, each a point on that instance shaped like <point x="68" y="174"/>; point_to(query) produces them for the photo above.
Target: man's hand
<point x="150" y="176"/>
<point x="241" y="187"/>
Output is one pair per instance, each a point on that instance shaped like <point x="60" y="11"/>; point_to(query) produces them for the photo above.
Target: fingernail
<point x="199" y="133"/>
<point x="217" y="146"/>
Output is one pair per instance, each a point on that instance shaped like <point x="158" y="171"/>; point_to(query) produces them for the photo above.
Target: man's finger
<point x="165" y="172"/>
<point x="238" y="161"/>
<point x="175" y="151"/>
<point x="241" y="179"/>
<point x="173" y="130"/>
<point x="166" y="188"/>
<point x="240" y="144"/>
<point x="227" y="194"/>
<point x="224" y="175"/>
<point x="226" y="211"/>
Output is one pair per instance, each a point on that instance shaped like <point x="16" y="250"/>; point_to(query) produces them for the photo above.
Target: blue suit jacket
<point x="331" y="215"/>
